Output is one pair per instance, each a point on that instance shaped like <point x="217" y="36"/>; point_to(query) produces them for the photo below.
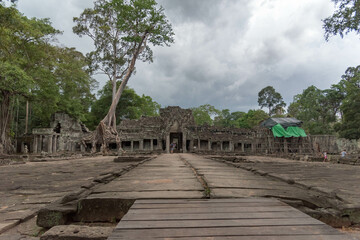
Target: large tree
<point x="270" y="99"/>
<point x="345" y="19"/>
<point x="350" y="83"/>
<point x="315" y="108"/>
<point x="35" y="73"/>
<point x="23" y="46"/>
<point x="137" y="23"/>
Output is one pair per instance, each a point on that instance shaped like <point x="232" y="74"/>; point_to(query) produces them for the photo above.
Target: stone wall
<point x="333" y="144"/>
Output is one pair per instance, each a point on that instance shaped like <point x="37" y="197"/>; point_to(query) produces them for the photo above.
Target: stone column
<point x="199" y="144"/>
<point x="253" y="147"/>
<point x="184" y="143"/>
<point x="168" y="143"/>
<point x="49" y="143"/>
<point x="132" y="146"/>
<point x="35" y="144"/>
<point x="159" y="144"/>
<point x="141" y="144"/>
<point x="209" y="145"/>
<point x="191" y="147"/>
<point x="285" y="146"/>
<point x="40" y="143"/>
<point x="221" y="145"/>
<point x="151" y="144"/>
<point x="243" y="147"/>
<point x="55" y="143"/>
<point x="231" y="146"/>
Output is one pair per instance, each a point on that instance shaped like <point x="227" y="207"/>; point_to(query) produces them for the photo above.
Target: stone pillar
<point x="253" y="147"/>
<point x="243" y="147"/>
<point x="209" y="145"/>
<point x="55" y="143"/>
<point x="191" y="146"/>
<point x="184" y="142"/>
<point x="151" y="144"/>
<point x="285" y="146"/>
<point x="168" y="143"/>
<point x="221" y="145"/>
<point x="199" y="144"/>
<point x="49" y="143"/>
<point x="40" y="143"/>
<point x="141" y="144"/>
<point x="35" y="144"/>
<point x="231" y="146"/>
<point x="159" y="144"/>
<point x="132" y="146"/>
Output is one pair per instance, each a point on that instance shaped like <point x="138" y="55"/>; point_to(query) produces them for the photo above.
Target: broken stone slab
<point x="102" y="209"/>
<point x="77" y="232"/>
<point x="55" y="214"/>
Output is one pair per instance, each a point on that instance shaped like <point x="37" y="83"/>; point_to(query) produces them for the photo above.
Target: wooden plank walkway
<point x="244" y="218"/>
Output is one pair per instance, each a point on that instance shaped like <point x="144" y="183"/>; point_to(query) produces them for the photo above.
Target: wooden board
<point x="251" y="218"/>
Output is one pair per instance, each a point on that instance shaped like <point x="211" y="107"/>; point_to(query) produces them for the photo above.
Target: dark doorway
<point x="176" y="138"/>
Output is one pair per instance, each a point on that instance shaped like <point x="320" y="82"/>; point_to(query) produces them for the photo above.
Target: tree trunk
<point x="5" y="141"/>
<point x="106" y="127"/>
<point x="27" y="117"/>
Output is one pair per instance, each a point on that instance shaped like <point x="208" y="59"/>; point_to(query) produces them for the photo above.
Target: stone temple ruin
<point x="176" y="125"/>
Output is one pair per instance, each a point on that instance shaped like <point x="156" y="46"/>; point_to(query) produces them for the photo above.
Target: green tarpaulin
<point x="279" y="131"/>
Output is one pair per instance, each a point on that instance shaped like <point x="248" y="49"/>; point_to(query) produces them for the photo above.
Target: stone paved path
<point x="26" y="188"/>
<point x="164" y="177"/>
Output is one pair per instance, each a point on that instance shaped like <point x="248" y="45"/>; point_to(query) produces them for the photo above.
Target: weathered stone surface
<point x="76" y="232"/>
<point x="27" y="188"/>
<point x="55" y="214"/>
<point x="4" y="226"/>
<point x="102" y="210"/>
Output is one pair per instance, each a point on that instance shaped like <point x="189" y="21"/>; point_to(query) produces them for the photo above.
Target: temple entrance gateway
<point x="177" y="138"/>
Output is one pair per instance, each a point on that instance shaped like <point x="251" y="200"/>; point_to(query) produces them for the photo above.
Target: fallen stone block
<point x="76" y="232"/>
<point x="55" y="214"/>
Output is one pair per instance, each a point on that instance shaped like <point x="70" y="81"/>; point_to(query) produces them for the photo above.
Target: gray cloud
<point x="225" y="52"/>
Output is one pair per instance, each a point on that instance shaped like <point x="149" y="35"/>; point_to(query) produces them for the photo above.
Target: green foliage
<point x="131" y="106"/>
<point x="204" y="113"/>
<point x="344" y="20"/>
<point x="51" y="78"/>
<point x="228" y="119"/>
<point x="121" y="31"/>
<point x="349" y="126"/>
<point x="271" y="99"/>
<point x="252" y="119"/>
<point x="315" y="108"/>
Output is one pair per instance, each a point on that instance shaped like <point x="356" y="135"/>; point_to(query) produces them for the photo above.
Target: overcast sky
<point x="226" y="51"/>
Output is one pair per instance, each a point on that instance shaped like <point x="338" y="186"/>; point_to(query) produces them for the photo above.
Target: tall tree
<point x="110" y="55"/>
<point x="315" y="109"/>
<point x="23" y="46"/>
<point x="344" y="20"/>
<point x="138" y="22"/>
<point x="349" y="127"/>
<point x="271" y="99"/>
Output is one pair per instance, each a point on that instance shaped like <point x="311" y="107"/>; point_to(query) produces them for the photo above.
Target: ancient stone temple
<point x="177" y="126"/>
<point x="64" y="134"/>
